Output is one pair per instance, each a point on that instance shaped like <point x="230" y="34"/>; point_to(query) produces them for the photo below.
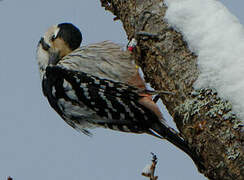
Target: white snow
<point x="217" y="37"/>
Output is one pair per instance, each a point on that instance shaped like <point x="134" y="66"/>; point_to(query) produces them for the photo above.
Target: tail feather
<point x="172" y="137"/>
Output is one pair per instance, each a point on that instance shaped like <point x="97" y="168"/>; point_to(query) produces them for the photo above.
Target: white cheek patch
<point x="56" y="32"/>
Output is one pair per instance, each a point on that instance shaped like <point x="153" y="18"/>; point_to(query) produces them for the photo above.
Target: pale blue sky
<point x="35" y="143"/>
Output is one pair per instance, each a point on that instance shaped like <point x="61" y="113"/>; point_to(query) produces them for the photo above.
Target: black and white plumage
<point x="88" y="88"/>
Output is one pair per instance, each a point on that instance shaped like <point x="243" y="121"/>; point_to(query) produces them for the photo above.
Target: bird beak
<point x="45" y="46"/>
<point x="53" y="58"/>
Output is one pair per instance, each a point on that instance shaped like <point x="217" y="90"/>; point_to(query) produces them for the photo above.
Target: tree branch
<point x="149" y="170"/>
<point x="205" y="120"/>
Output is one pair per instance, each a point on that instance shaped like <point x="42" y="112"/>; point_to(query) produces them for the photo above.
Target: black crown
<point x="70" y="34"/>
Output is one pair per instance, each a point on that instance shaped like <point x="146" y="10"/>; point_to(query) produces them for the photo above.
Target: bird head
<point x="57" y="42"/>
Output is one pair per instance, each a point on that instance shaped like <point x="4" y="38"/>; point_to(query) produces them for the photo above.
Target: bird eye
<point x="53" y="37"/>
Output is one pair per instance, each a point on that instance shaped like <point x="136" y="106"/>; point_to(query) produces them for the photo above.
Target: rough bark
<point x="205" y="120"/>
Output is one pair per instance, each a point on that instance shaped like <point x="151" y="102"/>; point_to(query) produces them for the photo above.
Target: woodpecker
<point x="98" y="86"/>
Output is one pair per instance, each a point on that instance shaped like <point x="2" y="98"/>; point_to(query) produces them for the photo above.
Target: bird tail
<point x="166" y="133"/>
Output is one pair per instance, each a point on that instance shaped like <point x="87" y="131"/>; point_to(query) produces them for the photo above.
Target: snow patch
<point x="217" y="37"/>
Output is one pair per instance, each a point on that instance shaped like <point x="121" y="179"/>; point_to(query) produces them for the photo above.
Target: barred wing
<point x="110" y="103"/>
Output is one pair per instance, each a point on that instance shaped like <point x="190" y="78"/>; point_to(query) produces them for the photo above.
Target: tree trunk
<point x="205" y="120"/>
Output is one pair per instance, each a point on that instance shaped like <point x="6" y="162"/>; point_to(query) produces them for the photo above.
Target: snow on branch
<point x="217" y="38"/>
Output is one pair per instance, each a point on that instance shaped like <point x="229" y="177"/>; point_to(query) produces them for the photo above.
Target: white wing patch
<point x="69" y="91"/>
<point x="53" y="91"/>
